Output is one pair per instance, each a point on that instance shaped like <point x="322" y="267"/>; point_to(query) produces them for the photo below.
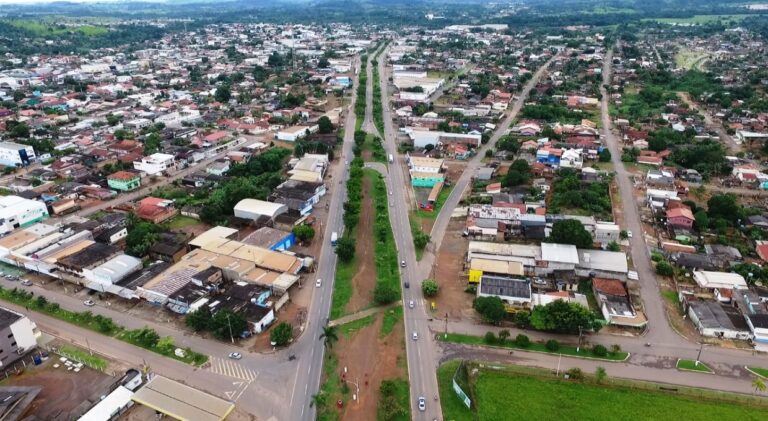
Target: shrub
<point x="552" y="345"/>
<point x="385" y="295"/>
<point x="490" y="338"/>
<point x="664" y="269"/>
<point x="522" y="341"/>
<point x="599" y="350"/>
<point x="575" y="373"/>
<point x="281" y="334"/>
<point x="429" y="287"/>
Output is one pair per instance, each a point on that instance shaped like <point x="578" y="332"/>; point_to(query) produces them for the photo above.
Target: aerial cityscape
<point x="384" y="210"/>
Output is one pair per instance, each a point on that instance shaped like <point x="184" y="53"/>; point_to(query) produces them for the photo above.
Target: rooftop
<point x="506" y="287"/>
<point x="182" y="402"/>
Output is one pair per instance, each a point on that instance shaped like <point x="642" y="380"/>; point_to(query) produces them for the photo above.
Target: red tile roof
<point x="609" y="286"/>
<point x="681" y="212"/>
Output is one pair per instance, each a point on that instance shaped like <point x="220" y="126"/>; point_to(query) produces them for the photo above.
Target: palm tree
<point x="330" y="335"/>
<point x="759" y="385"/>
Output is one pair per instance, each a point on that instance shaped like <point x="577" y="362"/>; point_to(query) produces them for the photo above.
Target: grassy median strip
<point x="568" y="350"/>
<point x="391" y="317"/>
<point x="386" y="260"/>
<point x="145" y="338"/>
<point x="347" y="329"/>
<point x="394" y="401"/>
<point x="762" y="372"/>
<point x="342" y="287"/>
<point x="691" y="365"/>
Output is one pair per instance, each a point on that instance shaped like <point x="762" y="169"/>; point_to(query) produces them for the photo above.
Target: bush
<point x="664" y="269"/>
<point x="522" y="319"/>
<point x="491" y="309"/>
<point x="281" y="334"/>
<point x="552" y="345"/>
<point x="429" y="287"/>
<point x="385" y="295"/>
<point x="599" y="350"/>
<point x="575" y="373"/>
<point x="522" y="341"/>
<point x="490" y="338"/>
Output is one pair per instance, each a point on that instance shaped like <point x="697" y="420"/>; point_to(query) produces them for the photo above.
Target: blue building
<point x="271" y="238"/>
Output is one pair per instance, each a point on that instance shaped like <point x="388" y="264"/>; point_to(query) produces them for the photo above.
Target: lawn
<point x="416" y="230"/>
<point x="331" y="390"/>
<point x="537" y="395"/>
<point x="181" y="221"/>
<point x="692" y="366"/>
<point x="84" y="357"/>
<point x="44" y="29"/>
<point x="391" y="317"/>
<point x="347" y="329"/>
<point x="702" y="19"/>
<point x="763" y="372"/>
<point x="342" y="287"/>
<point x="570" y="350"/>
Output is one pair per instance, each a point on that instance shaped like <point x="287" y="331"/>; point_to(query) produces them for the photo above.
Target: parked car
<point x="89" y="303"/>
<point x="422" y="404"/>
<point x="26" y="283"/>
<point x="318" y="282"/>
<point x="235" y="355"/>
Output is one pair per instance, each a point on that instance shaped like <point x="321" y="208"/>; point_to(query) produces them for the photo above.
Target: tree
<point x="575" y="373"/>
<point x="304" y="232"/>
<point x="223" y="94"/>
<point x="519" y="173"/>
<point x="552" y="345"/>
<point x="345" y="248"/>
<point x="657" y="144"/>
<point x="227" y="324"/>
<point x="429" y="287"/>
<point x="141" y="236"/>
<point x="570" y="231"/>
<point x="384" y="294"/>
<point x="491" y="309"/>
<point x="522" y="341"/>
<point x="18" y="95"/>
<point x="151" y="143"/>
<point x="490" y="338"/>
<point x="330" y="335"/>
<point x="200" y="319"/>
<point x="613" y="246"/>
<point x="389" y="404"/>
<point x="605" y="155"/>
<point x="503" y="335"/>
<point x="281" y="334"/>
<point x="724" y="206"/>
<point x="325" y="125"/>
<point x="663" y="268"/>
<point x="615" y="348"/>
<point x="701" y="222"/>
<point x="564" y="317"/>
<point x="318" y="399"/>
<point x="758" y="385"/>
<point x="600" y="374"/>
<point x="323" y="63"/>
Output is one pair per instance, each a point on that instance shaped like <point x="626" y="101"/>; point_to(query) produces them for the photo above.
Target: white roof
<point x="725" y="280"/>
<point x="562" y="253"/>
<point x="260" y="207"/>
<point x="212" y="234"/>
<point x="109" y="406"/>
<point x="602" y="260"/>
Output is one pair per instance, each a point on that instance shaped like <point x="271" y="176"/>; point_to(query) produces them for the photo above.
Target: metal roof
<point x="181" y="401"/>
<point x="561" y="253"/>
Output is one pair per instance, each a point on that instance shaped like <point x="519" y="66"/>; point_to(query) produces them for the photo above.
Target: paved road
<point x="659" y="330"/>
<point x="726" y="139"/>
<point x="309" y="349"/>
<point x="739" y="191"/>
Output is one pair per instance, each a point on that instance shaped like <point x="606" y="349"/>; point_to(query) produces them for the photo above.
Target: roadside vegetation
<point x="145" y="337"/>
<point x="692" y="365"/>
<point x="80" y="355"/>
<point x="378" y="110"/>
<point x="387" y="268"/>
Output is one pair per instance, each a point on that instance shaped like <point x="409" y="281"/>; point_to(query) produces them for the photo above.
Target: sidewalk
<point x="362" y="314"/>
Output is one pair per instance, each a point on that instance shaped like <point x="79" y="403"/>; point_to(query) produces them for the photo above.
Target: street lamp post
<point x="579" y="345"/>
<point x="231" y="337"/>
<point x="698" y="357"/>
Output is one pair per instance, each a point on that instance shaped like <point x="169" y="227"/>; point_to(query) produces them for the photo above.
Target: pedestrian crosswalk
<point x="231" y="368"/>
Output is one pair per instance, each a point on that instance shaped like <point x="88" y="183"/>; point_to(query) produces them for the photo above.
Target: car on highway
<point x="235" y="355"/>
<point x="422" y="404"/>
<point x="411" y="304"/>
<point x="26" y="283"/>
<point x="629" y="234"/>
<point x="89" y="303"/>
<point x="402" y="263"/>
<point x="415" y="336"/>
<point x="318" y="282"/>
<point x="407" y="284"/>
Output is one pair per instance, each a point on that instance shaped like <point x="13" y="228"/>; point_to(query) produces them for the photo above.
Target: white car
<point x="415" y="336"/>
<point x="318" y="282"/>
<point x="402" y="263"/>
<point x="26" y="283"/>
<point x="422" y="404"/>
<point x="411" y="304"/>
<point x="629" y="234"/>
<point x="235" y="355"/>
<point x="89" y="303"/>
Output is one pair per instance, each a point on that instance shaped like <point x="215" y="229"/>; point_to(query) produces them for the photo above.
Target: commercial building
<point x="155" y="163"/>
<point x="124" y="181"/>
<point x="514" y="292"/>
<point x="182" y="402"/>
<point x="17" y="212"/>
<point x="15" y="154"/>
<point x="422" y="138"/>
<point x="18" y="334"/>
<point x="294" y="133"/>
<point x="254" y="209"/>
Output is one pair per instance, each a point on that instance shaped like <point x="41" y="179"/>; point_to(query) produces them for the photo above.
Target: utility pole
<point x="698" y="357"/>
<point x="446" y="325"/>
<point x="231" y="337"/>
<point x="579" y="345"/>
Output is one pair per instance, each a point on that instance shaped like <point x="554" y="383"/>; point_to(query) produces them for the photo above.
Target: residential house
<point x="615" y="305"/>
<point x="124" y="181"/>
<point x="156" y="210"/>
<point x="680" y="217"/>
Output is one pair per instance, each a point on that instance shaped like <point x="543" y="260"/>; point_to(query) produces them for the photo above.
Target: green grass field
<point x="534" y="346"/>
<point x="386" y="259"/>
<point x="391" y="317"/>
<point x="401" y="397"/>
<point x="701" y="19"/>
<point x="347" y="329"/>
<point x="180" y="221"/>
<point x="691" y="365"/>
<point x="760" y="371"/>
<point x="51" y="29"/>
<point x="539" y="396"/>
<point x="441" y="198"/>
<point x="342" y="287"/>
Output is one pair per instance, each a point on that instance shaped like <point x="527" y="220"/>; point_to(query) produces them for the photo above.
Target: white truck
<point x="334" y="238"/>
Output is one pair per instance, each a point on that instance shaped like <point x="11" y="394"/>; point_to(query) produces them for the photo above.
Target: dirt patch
<point x="454" y="169"/>
<point x="369" y="360"/>
<point x="364" y="280"/>
<point x="65" y="395"/>
<point x="450" y="274"/>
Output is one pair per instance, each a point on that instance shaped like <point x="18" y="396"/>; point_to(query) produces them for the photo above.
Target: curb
<point x="756" y="374"/>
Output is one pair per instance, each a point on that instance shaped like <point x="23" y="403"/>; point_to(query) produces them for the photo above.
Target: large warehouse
<point x="255" y="209"/>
